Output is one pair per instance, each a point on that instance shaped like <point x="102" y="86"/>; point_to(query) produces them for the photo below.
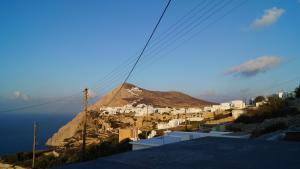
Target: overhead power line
<point x="192" y="22"/>
<point x="192" y="13"/>
<point x="115" y="74"/>
<point x="211" y="12"/>
<point x="37" y="105"/>
<point x="273" y="86"/>
<point x="142" y="52"/>
<point x="193" y="16"/>
<point x="106" y="77"/>
<point x="192" y="19"/>
<point x="158" y="54"/>
<point x="28" y="106"/>
<point x="127" y="77"/>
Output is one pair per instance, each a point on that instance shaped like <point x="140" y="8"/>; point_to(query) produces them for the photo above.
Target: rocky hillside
<point x="129" y="94"/>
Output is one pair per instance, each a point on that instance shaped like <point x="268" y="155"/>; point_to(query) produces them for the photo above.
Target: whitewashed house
<point x="225" y="106"/>
<point x="171" y="124"/>
<point x="194" y="110"/>
<point x="257" y="104"/>
<point x="207" y="109"/>
<point x="237" y="104"/>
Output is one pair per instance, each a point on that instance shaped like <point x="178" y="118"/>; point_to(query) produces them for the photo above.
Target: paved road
<point x="205" y="153"/>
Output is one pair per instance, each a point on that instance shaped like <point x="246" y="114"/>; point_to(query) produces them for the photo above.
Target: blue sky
<point x="52" y="49"/>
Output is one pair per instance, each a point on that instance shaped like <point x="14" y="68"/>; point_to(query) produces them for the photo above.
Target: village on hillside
<point x="140" y="126"/>
<point x="165" y="84"/>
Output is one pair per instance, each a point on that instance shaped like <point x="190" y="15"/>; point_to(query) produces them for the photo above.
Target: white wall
<point x="237" y="113"/>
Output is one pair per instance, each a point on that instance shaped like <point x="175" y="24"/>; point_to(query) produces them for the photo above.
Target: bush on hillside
<point x="108" y="147"/>
<point x="275" y="107"/>
<point x="222" y="116"/>
<point x="259" y="99"/>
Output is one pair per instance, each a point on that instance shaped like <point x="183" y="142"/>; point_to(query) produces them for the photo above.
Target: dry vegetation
<point x="276" y="114"/>
<point x="47" y="160"/>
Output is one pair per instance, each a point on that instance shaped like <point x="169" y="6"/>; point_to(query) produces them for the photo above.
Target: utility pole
<point x="85" y="96"/>
<point x="185" y="119"/>
<point x="34" y="144"/>
<point x="147" y="114"/>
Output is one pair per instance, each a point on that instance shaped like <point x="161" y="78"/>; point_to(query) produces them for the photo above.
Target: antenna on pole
<point x="85" y="96"/>
<point x="34" y="144"/>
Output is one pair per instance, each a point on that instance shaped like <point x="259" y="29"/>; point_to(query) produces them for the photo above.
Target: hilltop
<point x="131" y="94"/>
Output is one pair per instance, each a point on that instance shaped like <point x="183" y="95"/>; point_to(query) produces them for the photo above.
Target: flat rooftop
<point x="204" y="153"/>
<point x="178" y="136"/>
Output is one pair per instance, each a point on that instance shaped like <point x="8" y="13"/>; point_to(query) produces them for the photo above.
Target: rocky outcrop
<point x="67" y="131"/>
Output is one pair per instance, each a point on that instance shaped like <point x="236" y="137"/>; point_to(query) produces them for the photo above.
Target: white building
<point x="219" y="107"/>
<point x="175" y="111"/>
<point x="225" y="106"/>
<point x="285" y="95"/>
<point x="280" y="95"/>
<point x="237" y="104"/>
<point x="215" y="108"/>
<point x="194" y="110"/>
<point x="152" y="134"/>
<point x="171" y="124"/>
<point x="257" y="104"/>
<point x="143" y="109"/>
<point x="207" y="109"/>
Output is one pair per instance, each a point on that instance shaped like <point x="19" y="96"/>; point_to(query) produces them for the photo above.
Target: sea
<point x="16" y="130"/>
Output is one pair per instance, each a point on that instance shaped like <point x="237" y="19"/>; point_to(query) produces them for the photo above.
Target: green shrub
<point x="259" y="99"/>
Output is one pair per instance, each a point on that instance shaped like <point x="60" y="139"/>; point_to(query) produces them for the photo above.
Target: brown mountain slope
<point x="131" y="94"/>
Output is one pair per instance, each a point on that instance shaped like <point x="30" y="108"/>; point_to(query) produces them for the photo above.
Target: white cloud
<point x="21" y="96"/>
<point x="269" y="17"/>
<point x="255" y="66"/>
